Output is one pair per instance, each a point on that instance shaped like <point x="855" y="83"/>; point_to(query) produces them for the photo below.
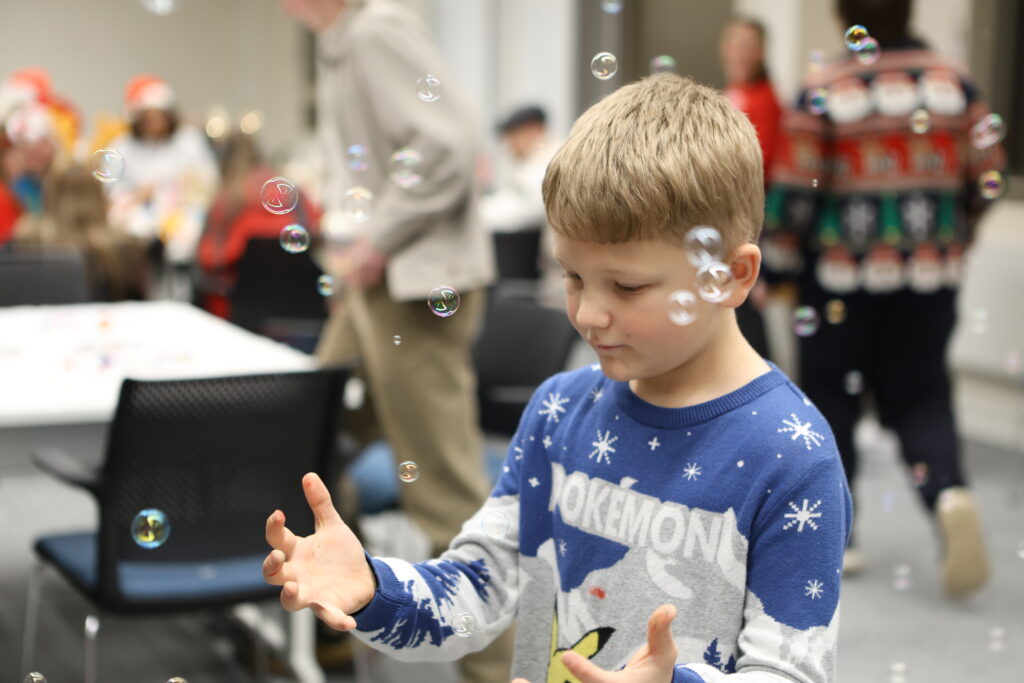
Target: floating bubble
<point x="869" y="51"/>
<point x="1013" y="361"/>
<point x="996" y="639"/>
<point x="279" y="195"/>
<point x="463" y="624"/>
<point x="991" y="184"/>
<point x="604" y="65"/>
<point x="715" y="282"/>
<point x="397" y="340"/>
<point x="898" y="672"/>
<point x="357" y="157"/>
<point x="816" y="60"/>
<point x="358" y="204"/>
<point x="611" y="6"/>
<point x="979" y="321"/>
<point x="682" y="307"/>
<point x="429" y="88"/>
<point x="495" y="524"/>
<point x="408" y="471"/>
<point x="805" y="321"/>
<point x="404" y="168"/>
<point x="107" y="165"/>
<point x="35" y="677"/>
<point x="987" y="131"/>
<point x="294" y="238"/>
<point x="664" y="64"/>
<point x="703" y="244"/>
<point x="325" y="285"/>
<point x="443" y="301"/>
<point x="835" y="311"/>
<point x="161" y="8"/>
<point x="920" y="121"/>
<point x="817" y="101"/>
<point x="901" y="577"/>
<point x="919" y="474"/>
<point x="855" y="37"/>
<point x="853" y="382"/>
<point x="150" y="528"/>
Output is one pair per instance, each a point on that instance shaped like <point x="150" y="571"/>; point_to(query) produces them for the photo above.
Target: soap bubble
<point x="294" y="238"/>
<point x="715" y="282"/>
<point x="357" y="157"/>
<point x="279" y="195"/>
<point x="996" y="639"/>
<point x="150" y="528"/>
<point x="682" y="307"/>
<point x="611" y="6"/>
<point x="979" y="321"/>
<point x="408" y="471"/>
<point x="853" y="382"/>
<point x="604" y="65"/>
<point x="107" y="165"/>
<point x="443" y="301"/>
<point x="325" y="285"/>
<point x="663" y="64"/>
<point x="835" y="311"/>
<point x="988" y="131"/>
<point x="991" y="184"/>
<point x="404" y="168"/>
<point x="817" y="101"/>
<point x="855" y="37"/>
<point x="816" y="59"/>
<point x="495" y="524"/>
<point x="161" y="8"/>
<point x="35" y="677"/>
<point x="397" y="340"/>
<point x="463" y="624"/>
<point x="901" y="577"/>
<point x="869" y="51"/>
<point x="704" y="245"/>
<point x="1013" y="361"/>
<point x="429" y="88"/>
<point x="358" y="204"/>
<point x="805" y="321"/>
<point x="920" y="121"/>
<point x="176" y="679"/>
<point x="898" y="672"/>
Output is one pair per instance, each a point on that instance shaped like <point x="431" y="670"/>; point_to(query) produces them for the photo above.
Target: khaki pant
<point x="422" y="398"/>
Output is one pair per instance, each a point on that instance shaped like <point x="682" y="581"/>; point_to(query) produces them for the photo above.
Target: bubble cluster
<point x="855" y="37"/>
<point x="611" y="6"/>
<point x="604" y="65"/>
<point x="987" y="131"/>
<point x="682" y="307"/>
<point x="463" y="624"/>
<point x="358" y="204"/>
<point x="495" y="524"/>
<point x="294" y="238"/>
<point x="991" y="185"/>
<point x="443" y="301"/>
<point x="429" y="88"/>
<point x="408" y="471"/>
<point x="835" y="311"/>
<point x="664" y="64"/>
<point x="397" y="340"/>
<point x="715" y="282"/>
<point x="325" y="285"/>
<point x="279" y="195"/>
<point x="107" y="165"/>
<point x="817" y="101"/>
<point x="805" y="321"/>
<point x="150" y="528"/>
<point x="901" y="577"/>
<point x="853" y="382"/>
<point x="869" y="51"/>
<point x="357" y="158"/>
<point x="703" y="244"/>
<point x="404" y="168"/>
<point x="920" y="121"/>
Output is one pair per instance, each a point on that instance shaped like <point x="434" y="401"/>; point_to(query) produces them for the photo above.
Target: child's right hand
<point x="326" y="571"/>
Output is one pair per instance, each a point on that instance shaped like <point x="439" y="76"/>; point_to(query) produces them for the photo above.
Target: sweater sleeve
<point x="791" y="613"/>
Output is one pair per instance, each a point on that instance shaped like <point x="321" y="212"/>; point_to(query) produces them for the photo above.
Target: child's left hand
<point x="653" y="663"/>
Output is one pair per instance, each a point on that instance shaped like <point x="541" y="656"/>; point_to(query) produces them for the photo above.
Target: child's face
<point x="617" y="299"/>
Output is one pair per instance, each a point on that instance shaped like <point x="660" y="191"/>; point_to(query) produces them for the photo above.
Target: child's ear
<point x="745" y="266"/>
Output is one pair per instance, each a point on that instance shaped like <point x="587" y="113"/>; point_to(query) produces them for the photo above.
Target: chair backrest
<point x="273" y="284"/>
<point x="517" y="254"/>
<point x="38" y="276"/>
<point x="216" y="456"/>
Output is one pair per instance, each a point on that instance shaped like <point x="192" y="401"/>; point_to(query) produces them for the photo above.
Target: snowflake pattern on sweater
<point x="737" y="521"/>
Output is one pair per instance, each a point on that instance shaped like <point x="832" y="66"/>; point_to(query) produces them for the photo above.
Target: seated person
<point x="681" y="469"/>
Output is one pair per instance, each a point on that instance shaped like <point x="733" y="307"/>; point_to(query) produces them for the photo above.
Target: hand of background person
<point x="654" y="663"/>
<point x="362" y="265"/>
<point x="326" y="571"/>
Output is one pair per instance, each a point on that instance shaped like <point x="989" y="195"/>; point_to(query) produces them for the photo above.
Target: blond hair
<point x="654" y="159"/>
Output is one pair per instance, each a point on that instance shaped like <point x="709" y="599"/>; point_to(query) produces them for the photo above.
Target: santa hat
<point x="148" y="92"/>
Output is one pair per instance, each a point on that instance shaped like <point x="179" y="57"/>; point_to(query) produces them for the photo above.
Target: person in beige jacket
<point x="416" y="233"/>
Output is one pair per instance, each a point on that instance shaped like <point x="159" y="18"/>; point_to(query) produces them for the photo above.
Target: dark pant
<point x="897" y="342"/>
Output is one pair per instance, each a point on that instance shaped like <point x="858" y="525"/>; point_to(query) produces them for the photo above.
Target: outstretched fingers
<point x="333" y="616"/>
<point x="319" y="499"/>
<point x="275" y="569"/>
<point x="278" y="535"/>
<point x="660" y="644"/>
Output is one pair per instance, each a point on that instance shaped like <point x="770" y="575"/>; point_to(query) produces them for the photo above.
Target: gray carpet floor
<point x="896" y="625"/>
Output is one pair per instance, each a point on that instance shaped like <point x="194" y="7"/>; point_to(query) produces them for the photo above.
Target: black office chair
<point x="33" y="276"/>
<point x="216" y="456"/>
<point x="522" y="344"/>
<point x="275" y="294"/>
<point x="517" y="254"/>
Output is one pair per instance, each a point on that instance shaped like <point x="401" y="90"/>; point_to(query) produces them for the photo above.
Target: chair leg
<point x="302" y="647"/>
<point x="92" y="629"/>
<point x="28" y="643"/>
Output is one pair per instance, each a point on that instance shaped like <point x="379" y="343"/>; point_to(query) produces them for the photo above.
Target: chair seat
<point x="76" y="556"/>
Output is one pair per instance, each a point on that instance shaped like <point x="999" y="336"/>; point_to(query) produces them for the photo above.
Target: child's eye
<point x="571" y="276"/>
<point x="629" y="289"/>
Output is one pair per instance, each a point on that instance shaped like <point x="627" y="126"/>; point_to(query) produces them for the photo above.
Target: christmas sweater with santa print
<point x="880" y="174"/>
<point x="735" y="510"/>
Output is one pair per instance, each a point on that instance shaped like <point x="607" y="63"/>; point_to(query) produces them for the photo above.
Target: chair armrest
<point x="67" y="468"/>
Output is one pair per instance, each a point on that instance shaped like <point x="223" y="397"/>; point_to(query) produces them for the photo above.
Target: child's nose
<point x="591" y="313"/>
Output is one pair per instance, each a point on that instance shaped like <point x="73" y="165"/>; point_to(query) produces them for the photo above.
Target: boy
<point x="688" y="470"/>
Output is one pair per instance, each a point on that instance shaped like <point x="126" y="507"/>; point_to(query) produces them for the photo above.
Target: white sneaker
<point x="965" y="561"/>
